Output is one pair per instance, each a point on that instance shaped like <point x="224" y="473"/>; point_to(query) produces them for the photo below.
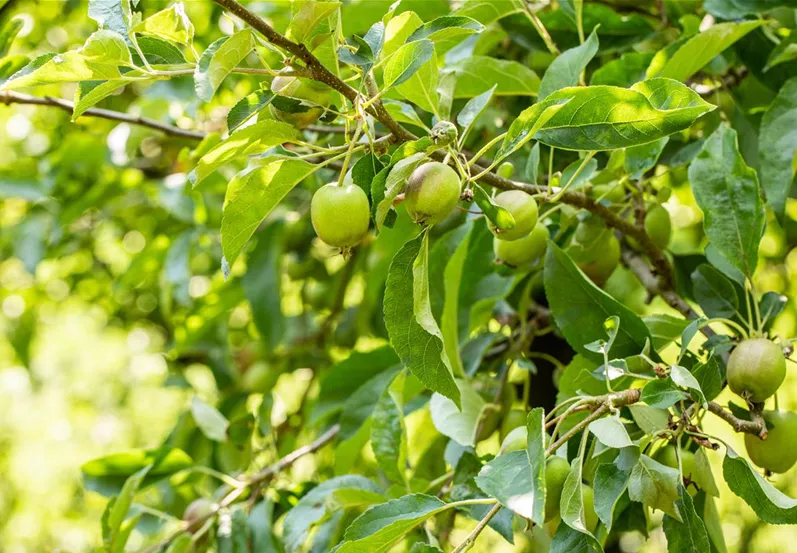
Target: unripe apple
<point x="432" y="192"/>
<point x="610" y="192"/>
<point x="601" y="268"/>
<point x="506" y="170"/>
<point x="556" y="471"/>
<point x="515" y="418"/>
<point x="590" y="516"/>
<point x="658" y="226"/>
<point x="340" y="215"/>
<point x="756" y="369"/>
<point x="300" y="89"/>
<point x="524" y="251"/>
<point x="778" y="452"/>
<point x="523" y="209"/>
<point x="515" y="440"/>
<point x="668" y="457"/>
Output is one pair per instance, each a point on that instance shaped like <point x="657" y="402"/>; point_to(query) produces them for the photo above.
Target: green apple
<point x="523" y="209"/>
<point x="340" y="215"/>
<point x="756" y="369"/>
<point x="778" y="452"/>
<point x="524" y="251"/>
<point x="432" y="192"/>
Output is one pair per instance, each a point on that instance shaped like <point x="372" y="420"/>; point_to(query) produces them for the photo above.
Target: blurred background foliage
<point x="114" y="312"/>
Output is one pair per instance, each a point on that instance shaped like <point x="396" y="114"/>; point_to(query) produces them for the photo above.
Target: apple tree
<point x="448" y="231"/>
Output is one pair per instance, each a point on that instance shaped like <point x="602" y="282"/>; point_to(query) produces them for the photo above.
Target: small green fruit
<point x="658" y="226"/>
<point x="197" y="512"/>
<point x="556" y="471"/>
<point x="444" y="133"/>
<point x="778" y="452"/>
<point x="513" y="419"/>
<point x="432" y="192"/>
<point x="515" y="440"/>
<point x="601" y="268"/>
<point x="259" y="378"/>
<point x="523" y="209"/>
<point x="668" y="457"/>
<point x="506" y="170"/>
<point x="756" y="369"/>
<point x="340" y="215"/>
<point x="590" y="516"/>
<point x="300" y="89"/>
<point x="524" y="251"/>
<point x="610" y="192"/>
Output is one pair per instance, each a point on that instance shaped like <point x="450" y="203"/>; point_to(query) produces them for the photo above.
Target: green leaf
<point x="589" y="118"/>
<point x="157" y="52"/>
<point x="569" y="540"/>
<point x="609" y="484"/>
<point x="727" y="191"/>
<point x="98" y="60"/>
<point x="625" y="71"/>
<point x="389" y="432"/>
<point x="508" y="479"/>
<point x="261" y="527"/>
<point x="412" y="329"/>
<point x="396" y="181"/>
<point x="770" y="504"/>
<point x="459" y="424"/>
<point x="120" y="508"/>
<point x="473" y="109"/>
<point x="407" y="61"/>
<point x="263" y="286"/>
<point x="309" y="18"/>
<point x="209" y="420"/>
<point x="446" y="28"/>
<point x="89" y="93"/>
<point x="312" y="507"/>
<point x="711" y="376"/>
<point x="536" y="436"/>
<point x="689" y="535"/>
<point x="488" y="11"/>
<point x="357" y="409"/>
<point x="681" y="376"/>
<point x="650" y="420"/>
<point x="655" y="485"/>
<point x="403" y="113"/>
<point x="249" y="141"/>
<point x="107" y="474"/>
<point x="499" y="216"/>
<point x="251" y="196"/>
<point x="778" y="145"/>
<point x="572" y="501"/>
<point x="704" y="475"/>
<point x="248" y="106"/>
<point x="424" y="548"/>
<point x="737" y="9"/>
<point x="784" y="52"/>
<point x="665" y="329"/>
<point x="8" y="32"/>
<point x="421" y="87"/>
<point x="580" y="308"/>
<point x="701" y="48"/>
<point x="662" y="393"/>
<point x="611" y="432"/>
<point x="382" y="526"/>
<point x="714" y="292"/>
<point x="476" y="75"/>
<point x="218" y="60"/>
<point x="169" y="24"/>
<point x="566" y="68"/>
<point x="640" y="159"/>
<point x="452" y="250"/>
<point x="114" y="15"/>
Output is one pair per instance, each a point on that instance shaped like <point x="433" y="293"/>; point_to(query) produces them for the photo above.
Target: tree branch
<point x="257" y="480"/>
<point x="755" y="427"/>
<point x="8" y="98"/>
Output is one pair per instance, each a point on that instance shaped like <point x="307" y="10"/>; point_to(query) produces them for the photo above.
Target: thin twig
<point x="17" y="98"/>
<point x="257" y="479"/>
<point x="471" y="539"/>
